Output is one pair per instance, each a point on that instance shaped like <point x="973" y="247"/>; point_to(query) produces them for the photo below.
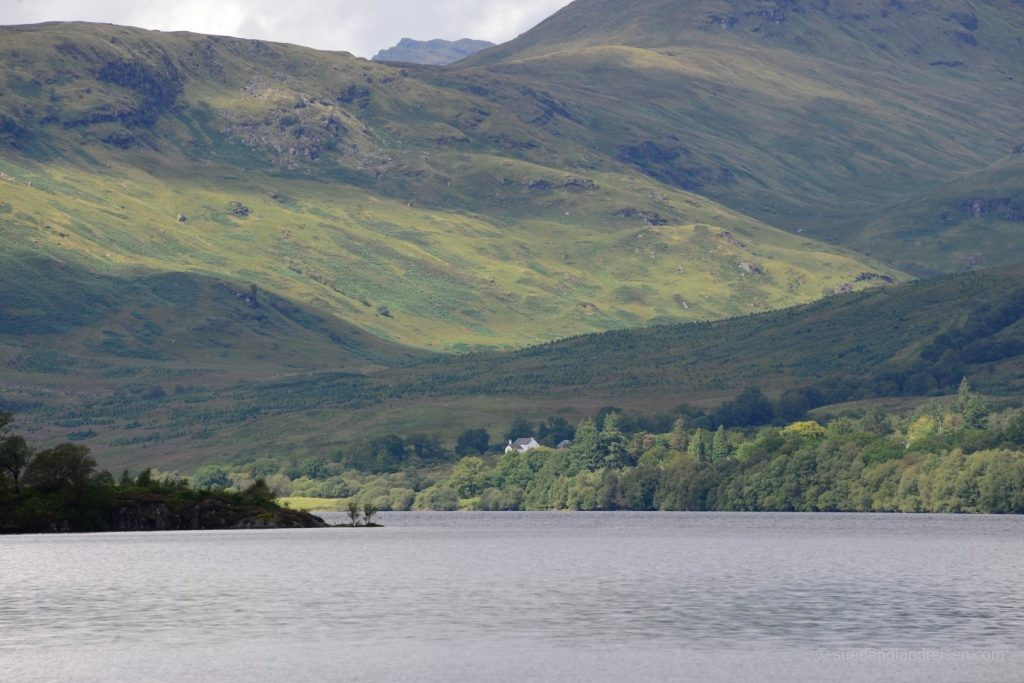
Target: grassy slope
<point x="824" y="115"/>
<point x="973" y="220"/>
<point x="651" y="369"/>
<point x="367" y="187"/>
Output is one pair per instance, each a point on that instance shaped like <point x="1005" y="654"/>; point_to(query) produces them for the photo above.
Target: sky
<point x="362" y="27"/>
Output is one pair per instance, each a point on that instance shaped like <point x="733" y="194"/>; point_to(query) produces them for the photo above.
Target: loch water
<point x="525" y="597"/>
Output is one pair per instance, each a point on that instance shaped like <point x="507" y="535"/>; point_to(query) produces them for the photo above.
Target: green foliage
<point x="472" y="442"/>
<point x="15" y="454"/>
<point x="353" y="513"/>
<point x="61" y="490"/>
<point x="468" y="477"/>
<point x="554" y="431"/>
<point x="212" y="477"/>
<point x="520" y="428"/>
<point x="698" y="446"/>
<point x="369" y="514"/>
<point x="63" y="467"/>
<point x="922" y="461"/>
<point x="751" y="407"/>
<point x="720" y="446"/>
<point x="145" y="478"/>
<point x="259" y="493"/>
<point x="439" y="498"/>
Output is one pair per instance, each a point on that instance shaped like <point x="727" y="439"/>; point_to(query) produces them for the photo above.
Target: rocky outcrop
<point x="211" y="512"/>
<point x="728" y="237"/>
<point x="650" y="217"/>
<point x="772" y="13"/>
<point x="967" y="21"/>
<point x="580" y="184"/>
<point x="1001" y="207"/>
<point x="238" y="209"/>
<point x="871" y="277"/>
<point x="157" y="85"/>
<point x="672" y="162"/>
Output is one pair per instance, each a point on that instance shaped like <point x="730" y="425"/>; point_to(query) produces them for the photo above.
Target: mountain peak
<point x="435" y="52"/>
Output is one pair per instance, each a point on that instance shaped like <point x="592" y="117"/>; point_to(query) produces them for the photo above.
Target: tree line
<point x="62" y="489"/>
<point x="957" y="454"/>
<point x="961" y="457"/>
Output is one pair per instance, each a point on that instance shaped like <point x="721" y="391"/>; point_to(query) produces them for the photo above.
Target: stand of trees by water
<point x="60" y="489"/>
<point x="957" y="454"/>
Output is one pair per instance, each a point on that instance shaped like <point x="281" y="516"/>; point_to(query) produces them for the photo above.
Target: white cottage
<point x="521" y="445"/>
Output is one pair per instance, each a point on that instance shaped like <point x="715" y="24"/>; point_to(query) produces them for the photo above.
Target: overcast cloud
<point x="361" y="27"/>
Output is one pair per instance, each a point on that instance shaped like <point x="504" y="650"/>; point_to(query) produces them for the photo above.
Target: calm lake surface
<point x="525" y="596"/>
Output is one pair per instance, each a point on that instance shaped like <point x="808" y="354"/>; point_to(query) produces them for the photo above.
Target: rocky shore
<point x="206" y="513"/>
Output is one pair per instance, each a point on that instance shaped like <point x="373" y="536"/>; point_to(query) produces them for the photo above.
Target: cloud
<point x="358" y="26"/>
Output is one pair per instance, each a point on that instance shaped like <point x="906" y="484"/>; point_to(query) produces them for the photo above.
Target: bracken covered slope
<point x="912" y="340"/>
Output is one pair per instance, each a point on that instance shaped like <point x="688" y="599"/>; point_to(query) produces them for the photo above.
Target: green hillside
<point x="914" y="340"/>
<point x="421" y="213"/>
<point x="808" y="115"/>
<point x="973" y="220"/>
<point x="216" y="248"/>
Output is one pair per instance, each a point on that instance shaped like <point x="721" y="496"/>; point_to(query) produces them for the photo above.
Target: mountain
<point x="804" y="114"/>
<point x="434" y="52"/>
<point x="427" y="214"/>
<point x="216" y="247"/>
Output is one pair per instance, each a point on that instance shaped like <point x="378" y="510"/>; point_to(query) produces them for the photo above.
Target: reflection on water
<point x="534" y="596"/>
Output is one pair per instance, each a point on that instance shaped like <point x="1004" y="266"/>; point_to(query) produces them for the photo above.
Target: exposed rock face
<point x="751" y="269"/>
<point x="772" y="13"/>
<point x="239" y="210"/>
<point x="869" y="277"/>
<point x="580" y="184"/>
<point x="650" y="217"/>
<point x="1003" y="207"/>
<point x="672" y="162"/>
<point x="156" y="88"/>
<point x="728" y="237"/>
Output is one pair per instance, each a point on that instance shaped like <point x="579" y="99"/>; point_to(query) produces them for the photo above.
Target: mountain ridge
<point x="436" y="52"/>
<point x="832" y="100"/>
